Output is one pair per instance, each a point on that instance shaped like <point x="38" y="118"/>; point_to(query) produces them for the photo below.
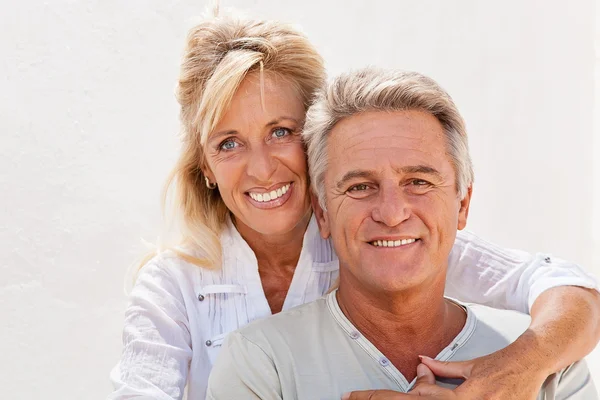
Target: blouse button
<point x="208" y="343"/>
<point x="354" y="335"/>
<point x="384" y="362"/>
<point x="200" y="297"/>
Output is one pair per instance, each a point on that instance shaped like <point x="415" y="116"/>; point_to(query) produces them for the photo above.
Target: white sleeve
<point x="156" y="340"/>
<point x="243" y="370"/>
<point x="484" y="273"/>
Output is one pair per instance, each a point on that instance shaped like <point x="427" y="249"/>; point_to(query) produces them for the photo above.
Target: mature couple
<point x="392" y="177"/>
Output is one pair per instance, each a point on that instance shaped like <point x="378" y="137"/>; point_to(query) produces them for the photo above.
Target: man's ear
<point x="321" y="215"/>
<point x="463" y="212"/>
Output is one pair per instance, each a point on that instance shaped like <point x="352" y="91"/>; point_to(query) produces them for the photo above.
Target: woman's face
<point x="256" y="156"/>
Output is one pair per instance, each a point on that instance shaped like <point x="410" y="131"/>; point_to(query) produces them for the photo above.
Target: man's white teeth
<point x="272" y="195"/>
<point x="392" y="243"/>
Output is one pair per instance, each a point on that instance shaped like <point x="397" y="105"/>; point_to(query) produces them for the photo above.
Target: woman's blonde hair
<point x="219" y="53"/>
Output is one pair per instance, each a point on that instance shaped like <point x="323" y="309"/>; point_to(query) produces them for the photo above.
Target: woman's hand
<point x="506" y="374"/>
<point x="425" y="388"/>
<point x="501" y="375"/>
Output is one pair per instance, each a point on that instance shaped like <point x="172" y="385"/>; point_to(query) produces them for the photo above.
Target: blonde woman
<point x="250" y="246"/>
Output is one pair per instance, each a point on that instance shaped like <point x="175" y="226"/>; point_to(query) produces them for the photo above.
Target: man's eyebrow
<point x="361" y="173"/>
<point x="357" y="173"/>
<point x="420" y="169"/>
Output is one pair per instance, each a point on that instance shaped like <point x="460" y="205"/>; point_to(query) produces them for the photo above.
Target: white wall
<point x="89" y="122"/>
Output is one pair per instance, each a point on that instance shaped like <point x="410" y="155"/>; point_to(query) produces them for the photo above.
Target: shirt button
<point x="384" y="362"/>
<point x="208" y="343"/>
<point x="200" y="297"/>
<point x="354" y="335"/>
<point x="547" y="259"/>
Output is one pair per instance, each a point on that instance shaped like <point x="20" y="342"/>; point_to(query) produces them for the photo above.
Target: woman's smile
<point x="273" y="197"/>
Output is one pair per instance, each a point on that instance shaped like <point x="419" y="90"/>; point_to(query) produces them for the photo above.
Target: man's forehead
<point x="376" y="136"/>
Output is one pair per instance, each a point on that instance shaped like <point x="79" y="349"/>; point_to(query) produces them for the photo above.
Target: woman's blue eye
<point x="280" y="132"/>
<point x="228" y="144"/>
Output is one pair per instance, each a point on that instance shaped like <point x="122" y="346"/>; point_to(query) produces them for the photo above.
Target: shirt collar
<point x="312" y="244"/>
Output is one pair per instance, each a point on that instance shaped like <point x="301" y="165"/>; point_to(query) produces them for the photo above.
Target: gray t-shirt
<point x="314" y="352"/>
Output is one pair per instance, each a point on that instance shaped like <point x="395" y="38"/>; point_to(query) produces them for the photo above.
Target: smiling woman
<point x="249" y="244"/>
<point x="257" y="157"/>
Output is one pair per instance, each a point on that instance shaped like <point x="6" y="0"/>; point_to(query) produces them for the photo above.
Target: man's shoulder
<point x="286" y="324"/>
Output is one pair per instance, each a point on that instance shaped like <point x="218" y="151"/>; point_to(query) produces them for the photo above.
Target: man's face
<point x="392" y="205"/>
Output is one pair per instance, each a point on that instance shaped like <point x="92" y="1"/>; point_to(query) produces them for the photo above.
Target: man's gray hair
<point x="372" y="89"/>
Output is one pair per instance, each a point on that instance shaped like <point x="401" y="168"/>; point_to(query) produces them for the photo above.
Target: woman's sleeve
<point x="156" y="340"/>
<point x="484" y="273"/>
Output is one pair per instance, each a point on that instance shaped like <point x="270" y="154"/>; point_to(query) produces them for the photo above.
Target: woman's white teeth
<point x="392" y="243"/>
<point x="272" y="195"/>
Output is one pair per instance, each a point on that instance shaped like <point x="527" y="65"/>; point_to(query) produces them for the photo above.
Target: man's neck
<point x="419" y="321"/>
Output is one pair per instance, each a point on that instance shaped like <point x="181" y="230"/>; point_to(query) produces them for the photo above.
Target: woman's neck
<point x="276" y="249"/>
<point x="277" y="257"/>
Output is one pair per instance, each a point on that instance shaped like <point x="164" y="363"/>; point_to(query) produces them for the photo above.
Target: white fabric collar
<point x="316" y="251"/>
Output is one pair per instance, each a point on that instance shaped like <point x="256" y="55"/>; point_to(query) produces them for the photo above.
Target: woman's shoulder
<point x="174" y="267"/>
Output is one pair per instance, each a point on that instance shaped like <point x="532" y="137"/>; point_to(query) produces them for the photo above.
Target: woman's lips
<point x="282" y="195"/>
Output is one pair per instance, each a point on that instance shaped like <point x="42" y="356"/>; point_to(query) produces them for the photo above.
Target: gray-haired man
<point x="389" y="162"/>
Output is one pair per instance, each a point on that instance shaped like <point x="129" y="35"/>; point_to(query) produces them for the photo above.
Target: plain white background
<point x="88" y="122"/>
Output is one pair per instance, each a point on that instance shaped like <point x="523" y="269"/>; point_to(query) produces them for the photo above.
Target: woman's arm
<point x="565" y="327"/>
<point x="156" y="340"/>
<point x="484" y="273"/>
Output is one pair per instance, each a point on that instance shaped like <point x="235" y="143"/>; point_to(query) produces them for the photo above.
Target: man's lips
<point x="393" y="242"/>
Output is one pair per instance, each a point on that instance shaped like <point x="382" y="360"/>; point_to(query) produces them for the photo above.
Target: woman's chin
<point x="276" y="226"/>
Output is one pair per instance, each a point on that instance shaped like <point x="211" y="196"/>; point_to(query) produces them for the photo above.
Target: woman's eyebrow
<point x="278" y="120"/>
<point x="221" y="134"/>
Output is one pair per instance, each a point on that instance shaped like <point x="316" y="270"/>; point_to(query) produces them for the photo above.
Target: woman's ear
<point x="207" y="172"/>
<point x="463" y="212"/>
<point x="321" y="216"/>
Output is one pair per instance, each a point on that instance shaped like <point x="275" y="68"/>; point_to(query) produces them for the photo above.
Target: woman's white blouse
<point x="179" y="313"/>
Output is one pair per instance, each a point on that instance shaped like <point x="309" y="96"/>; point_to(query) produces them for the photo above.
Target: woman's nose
<point x="261" y="164"/>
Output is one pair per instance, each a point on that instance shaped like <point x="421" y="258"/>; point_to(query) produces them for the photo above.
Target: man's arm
<point x="243" y="370"/>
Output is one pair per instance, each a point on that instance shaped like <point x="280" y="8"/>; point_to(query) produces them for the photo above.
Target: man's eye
<point x="280" y="132"/>
<point x="420" y="182"/>
<point x="228" y="144"/>
<point x="358" y="188"/>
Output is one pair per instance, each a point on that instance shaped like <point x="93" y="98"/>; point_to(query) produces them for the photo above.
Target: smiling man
<point x="389" y="161"/>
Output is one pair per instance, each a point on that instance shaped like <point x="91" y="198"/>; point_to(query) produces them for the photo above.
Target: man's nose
<point x="392" y="207"/>
<point x="261" y="163"/>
